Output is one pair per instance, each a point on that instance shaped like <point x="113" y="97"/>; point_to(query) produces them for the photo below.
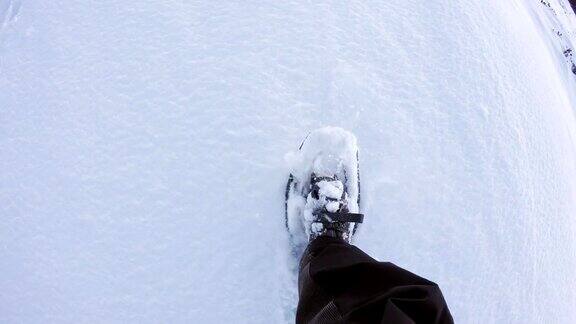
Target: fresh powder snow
<point x="143" y="152"/>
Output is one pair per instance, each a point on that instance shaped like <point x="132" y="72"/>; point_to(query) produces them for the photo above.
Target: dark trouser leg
<point x="338" y="283"/>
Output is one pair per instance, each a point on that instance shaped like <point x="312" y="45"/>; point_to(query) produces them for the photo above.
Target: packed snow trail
<point x="142" y="154"/>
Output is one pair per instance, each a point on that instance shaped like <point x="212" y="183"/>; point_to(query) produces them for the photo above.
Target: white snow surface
<point x="142" y="149"/>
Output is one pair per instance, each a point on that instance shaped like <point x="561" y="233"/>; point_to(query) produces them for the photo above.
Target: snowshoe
<point x="323" y="189"/>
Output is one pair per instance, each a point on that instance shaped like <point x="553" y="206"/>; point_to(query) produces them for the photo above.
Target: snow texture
<point x="142" y="151"/>
<point x="331" y="189"/>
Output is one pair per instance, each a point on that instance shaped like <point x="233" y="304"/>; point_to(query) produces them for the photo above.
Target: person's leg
<point x="338" y="283"/>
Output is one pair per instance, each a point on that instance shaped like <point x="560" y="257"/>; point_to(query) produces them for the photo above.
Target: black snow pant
<point x="338" y="283"/>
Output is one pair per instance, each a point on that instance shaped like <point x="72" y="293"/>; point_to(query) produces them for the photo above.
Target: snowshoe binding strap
<point x="338" y="217"/>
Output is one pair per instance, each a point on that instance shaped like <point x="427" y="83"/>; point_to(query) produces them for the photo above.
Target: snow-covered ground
<point x="142" y="151"/>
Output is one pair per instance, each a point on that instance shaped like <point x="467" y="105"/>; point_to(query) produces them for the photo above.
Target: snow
<point x="332" y="207"/>
<point x="142" y="153"/>
<point x="331" y="189"/>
